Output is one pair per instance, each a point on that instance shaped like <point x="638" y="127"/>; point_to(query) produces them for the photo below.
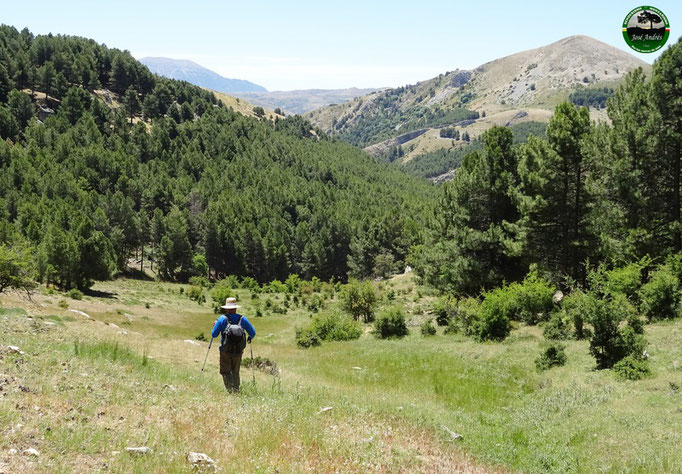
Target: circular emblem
<point x="646" y="29"/>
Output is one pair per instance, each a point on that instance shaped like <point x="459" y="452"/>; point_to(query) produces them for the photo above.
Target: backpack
<point x="233" y="338"/>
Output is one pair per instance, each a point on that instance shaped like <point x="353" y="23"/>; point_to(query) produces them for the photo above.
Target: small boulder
<point x="201" y="461"/>
<point x="170" y="388"/>
<point x="325" y="409"/>
<point x="194" y="343"/>
<point x="12" y="451"/>
<point x="15" y="350"/>
<point x="139" y="450"/>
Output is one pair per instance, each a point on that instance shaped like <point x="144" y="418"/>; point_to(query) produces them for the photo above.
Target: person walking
<point x="233" y="329"/>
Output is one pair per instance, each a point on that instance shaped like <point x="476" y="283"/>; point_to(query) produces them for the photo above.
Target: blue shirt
<point x="221" y="324"/>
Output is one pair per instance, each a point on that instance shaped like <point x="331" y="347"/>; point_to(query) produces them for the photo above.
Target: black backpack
<point x="233" y="338"/>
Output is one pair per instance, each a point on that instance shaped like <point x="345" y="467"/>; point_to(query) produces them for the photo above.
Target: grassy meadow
<point x="85" y="389"/>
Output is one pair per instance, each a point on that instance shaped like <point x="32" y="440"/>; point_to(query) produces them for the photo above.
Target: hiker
<point x="233" y="329"/>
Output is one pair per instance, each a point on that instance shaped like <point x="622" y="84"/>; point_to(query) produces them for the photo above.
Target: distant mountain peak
<point x="186" y="70"/>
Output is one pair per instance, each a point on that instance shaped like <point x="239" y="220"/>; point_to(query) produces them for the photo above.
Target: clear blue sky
<point x="286" y="45"/>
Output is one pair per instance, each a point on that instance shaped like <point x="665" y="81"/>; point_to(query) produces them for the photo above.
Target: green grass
<point x="387" y="415"/>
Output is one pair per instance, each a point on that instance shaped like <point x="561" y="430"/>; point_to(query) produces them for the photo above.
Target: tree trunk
<point x="142" y="258"/>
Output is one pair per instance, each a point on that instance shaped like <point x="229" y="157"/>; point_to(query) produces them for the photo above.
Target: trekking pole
<point x="209" y="348"/>
<point x="253" y="364"/>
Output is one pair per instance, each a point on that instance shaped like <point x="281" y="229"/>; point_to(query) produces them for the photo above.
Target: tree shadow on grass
<point x="100" y="294"/>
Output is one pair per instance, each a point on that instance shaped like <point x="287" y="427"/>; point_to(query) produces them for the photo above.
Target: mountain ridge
<point x="526" y="86"/>
<point x="186" y="70"/>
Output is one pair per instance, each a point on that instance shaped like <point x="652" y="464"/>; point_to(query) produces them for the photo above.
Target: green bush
<point x="251" y="284"/>
<point x="275" y="286"/>
<point x="359" y="299"/>
<point x="494" y="324"/>
<point x="558" y="328"/>
<point x="632" y="367"/>
<point x="661" y="296"/>
<point x="576" y="306"/>
<point x="625" y="280"/>
<point x="200" y="281"/>
<point x="221" y="291"/>
<point x="334" y="326"/>
<point x="306" y="338"/>
<point x="533" y="299"/>
<point x="444" y="308"/>
<point x="293" y="282"/>
<point x="391" y="323"/>
<point x="612" y="342"/>
<point x="427" y="328"/>
<point x="315" y="303"/>
<point x="195" y="293"/>
<point x="465" y="318"/>
<point x="200" y="337"/>
<point x="553" y="355"/>
<point x="75" y="294"/>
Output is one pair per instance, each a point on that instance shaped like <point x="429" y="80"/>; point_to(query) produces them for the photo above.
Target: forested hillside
<point x="101" y="159"/>
<point x="589" y="194"/>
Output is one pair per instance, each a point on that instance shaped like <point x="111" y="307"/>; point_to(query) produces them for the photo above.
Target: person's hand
<point x="248" y="340"/>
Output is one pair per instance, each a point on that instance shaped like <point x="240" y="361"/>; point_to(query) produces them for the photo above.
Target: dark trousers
<point x="229" y="369"/>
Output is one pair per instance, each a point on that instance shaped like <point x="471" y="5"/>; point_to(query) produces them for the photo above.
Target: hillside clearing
<point x="93" y="387"/>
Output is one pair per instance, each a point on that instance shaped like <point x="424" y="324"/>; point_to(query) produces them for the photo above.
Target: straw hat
<point x="230" y="303"/>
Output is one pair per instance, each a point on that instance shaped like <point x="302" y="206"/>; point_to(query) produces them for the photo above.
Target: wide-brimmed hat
<point x="230" y="303"/>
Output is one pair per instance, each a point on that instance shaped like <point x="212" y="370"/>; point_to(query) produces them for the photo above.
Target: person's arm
<point x="248" y="327"/>
<point x="219" y="326"/>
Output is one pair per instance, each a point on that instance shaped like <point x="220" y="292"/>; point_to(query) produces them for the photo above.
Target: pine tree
<point x="132" y="103"/>
<point x="553" y="199"/>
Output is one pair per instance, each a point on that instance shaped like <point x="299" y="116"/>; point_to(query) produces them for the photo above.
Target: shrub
<point x="444" y="309"/>
<point x="532" y="298"/>
<point x="200" y="337"/>
<point x="334" y="326"/>
<point x="359" y="300"/>
<point x="306" y="338"/>
<point x="465" y="318"/>
<point x="292" y="283"/>
<point x="558" y="327"/>
<point x="275" y="286"/>
<point x="552" y="356"/>
<point x="195" y="293"/>
<point x="200" y="281"/>
<point x="575" y="307"/>
<point x="391" y="323"/>
<point x="610" y="342"/>
<point x="251" y="284"/>
<point x="221" y="291"/>
<point x="494" y="324"/>
<point x="75" y="294"/>
<point x="427" y="328"/>
<point x="63" y="304"/>
<point x="315" y="303"/>
<point x="661" y="296"/>
<point x="632" y="367"/>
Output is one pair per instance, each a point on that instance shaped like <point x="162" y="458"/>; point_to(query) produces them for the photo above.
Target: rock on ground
<point x="194" y="343"/>
<point x="139" y="450"/>
<point x="31" y="452"/>
<point x="200" y="460"/>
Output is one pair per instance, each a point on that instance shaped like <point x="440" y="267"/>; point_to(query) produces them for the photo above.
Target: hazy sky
<point x="284" y="45"/>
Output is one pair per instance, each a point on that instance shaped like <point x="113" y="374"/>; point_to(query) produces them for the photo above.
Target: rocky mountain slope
<point x="522" y="87"/>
